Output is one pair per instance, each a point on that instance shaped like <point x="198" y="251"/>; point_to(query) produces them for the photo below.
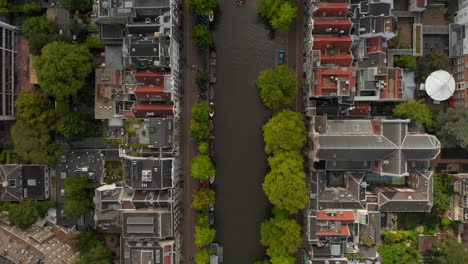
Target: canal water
<point x="244" y="47"/>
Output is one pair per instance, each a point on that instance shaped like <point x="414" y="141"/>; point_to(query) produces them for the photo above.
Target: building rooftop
<point x="147" y="224"/>
<point x="148" y="174"/>
<point x="161" y="132"/>
<point x="24" y="181"/>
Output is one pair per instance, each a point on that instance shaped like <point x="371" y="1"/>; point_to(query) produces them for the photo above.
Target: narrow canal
<point x="244" y="48"/>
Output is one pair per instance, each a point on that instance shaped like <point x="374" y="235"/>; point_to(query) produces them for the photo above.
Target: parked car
<point x="211" y="214"/>
<point x="281" y="56"/>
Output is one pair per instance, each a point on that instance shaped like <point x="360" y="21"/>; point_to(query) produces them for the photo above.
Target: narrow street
<point x="188" y="146"/>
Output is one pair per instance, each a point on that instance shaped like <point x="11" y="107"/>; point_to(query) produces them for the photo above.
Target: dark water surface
<point x="244" y="48"/>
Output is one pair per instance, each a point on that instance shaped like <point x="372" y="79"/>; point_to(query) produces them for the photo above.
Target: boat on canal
<point x="240" y="2"/>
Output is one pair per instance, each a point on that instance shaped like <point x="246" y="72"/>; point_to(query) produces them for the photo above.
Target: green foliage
<point x="284" y="132"/>
<point x="199" y="130"/>
<point x="77" y="196"/>
<point x="94" y="42"/>
<point x="73" y="124"/>
<point x="62" y="68"/>
<point x="398" y="253"/>
<point x="202" y="257"/>
<point x="286" y="14"/>
<point x="417" y="111"/>
<point x="202" y="167"/>
<point x="453" y="123"/>
<point x="284" y="185"/>
<point x="86" y="240"/>
<point x="433" y="61"/>
<point x="40" y="32"/>
<point x="202" y="198"/>
<point x="201" y="112"/>
<point x="99" y="254"/>
<point x="277" y="87"/>
<point x="82" y="5"/>
<point x="281" y="235"/>
<point x="446" y="221"/>
<point x="35" y="110"/>
<point x="450" y="10"/>
<point x="283" y="260"/>
<point x="201" y="37"/>
<point x="280" y="13"/>
<point x="449" y="251"/>
<point x="202" y="78"/>
<point x="202" y="7"/>
<point x="203" y="148"/>
<point x="34" y="144"/>
<point x="4" y="6"/>
<point x="131" y="131"/>
<point x="204" y="235"/>
<point x="25" y="213"/>
<point x="405" y="61"/>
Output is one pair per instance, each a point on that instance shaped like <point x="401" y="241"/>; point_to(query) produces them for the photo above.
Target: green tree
<point x="286" y="14"/>
<point x="86" y="240"/>
<point x="277" y="87"/>
<point x="199" y="130"/>
<point x="35" y="110"/>
<point x="77" y="196"/>
<point x="82" y="5"/>
<point x="398" y="253"/>
<point x="453" y="123"/>
<point x="441" y="202"/>
<point x="202" y="78"/>
<point x="405" y="61"/>
<point x="40" y="32"/>
<point x="201" y="112"/>
<point x="201" y="37"/>
<point x="4" y="6"/>
<point x="98" y="254"/>
<point x="284" y="132"/>
<point x="204" y="235"/>
<point x="286" y="259"/>
<point x="202" y="167"/>
<point x="202" y="7"/>
<point x="72" y="125"/>
<point x="435" y="60"/>
<point x="32" y="144"/>
<point x="202" y="257"/>
<point x="281" y="235"/>
<point x="279" y="13"/>
<point x="449" y="251"/>
<point x="284" y="185"/>
<point x="417" y="111"/>
<point x="62" y="68"/>
<point x="25" y="213"/>
<point x="203" y="148"/>
<point x="202" y="198"/>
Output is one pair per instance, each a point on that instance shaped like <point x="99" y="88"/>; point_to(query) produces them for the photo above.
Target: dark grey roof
<point x="114" y="57"/>
<point x="24" y="181"/>
<point x="152" y="3"/>
<point x="160" y="132"/>
<point x="378" y="9"/>
<point x="147" y="174"/>
<point x="147" y="223"/>
<point x="393" y="148"/>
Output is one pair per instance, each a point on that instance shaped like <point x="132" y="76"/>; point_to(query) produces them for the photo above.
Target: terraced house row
<point x="362" y="168"/>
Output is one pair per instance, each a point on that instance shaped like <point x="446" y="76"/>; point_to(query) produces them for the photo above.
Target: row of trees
<point x="202" y="169"/>
<point x="284" y="185"/>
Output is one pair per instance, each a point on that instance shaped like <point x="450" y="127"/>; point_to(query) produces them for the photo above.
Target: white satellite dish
<point x="440" y="85"/>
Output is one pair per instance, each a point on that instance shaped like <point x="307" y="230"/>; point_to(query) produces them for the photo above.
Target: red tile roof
<point x="147" y="92"/>
<point x="362" y="109"/>
<point x="394" y="83"/>
<point x="342" y="26"/>
<point x="376" y="45"/>
<point x="156" y="110"/>
<point x="332" y="10"/>
<point x="342" y="216"/>
<point x="343" y="44"/>
<point x="328" y="79"/>
<point x="343" y="60"/>
<point x="344" y="231"/>
<point x="156" y="78"/>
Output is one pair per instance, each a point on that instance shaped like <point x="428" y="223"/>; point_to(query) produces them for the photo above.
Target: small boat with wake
<point x="240" y="2"/>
